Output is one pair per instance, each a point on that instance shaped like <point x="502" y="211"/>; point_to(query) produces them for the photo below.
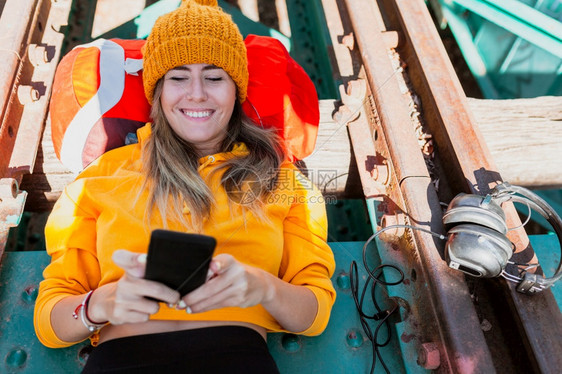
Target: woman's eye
<point x="178" y="78"/>
<point x="214" y="79"/>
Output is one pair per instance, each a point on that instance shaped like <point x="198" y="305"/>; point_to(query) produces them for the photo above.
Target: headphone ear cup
<point x="467" y="208"/>
<point x="477" y="250"/>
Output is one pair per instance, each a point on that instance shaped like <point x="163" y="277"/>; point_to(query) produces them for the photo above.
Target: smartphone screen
<point x="179" y="260"/>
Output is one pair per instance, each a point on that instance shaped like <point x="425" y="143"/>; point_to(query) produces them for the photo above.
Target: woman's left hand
<point x="231" y="284"/>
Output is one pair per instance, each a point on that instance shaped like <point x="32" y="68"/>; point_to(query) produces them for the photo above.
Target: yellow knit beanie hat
<point x="198" y="32"/>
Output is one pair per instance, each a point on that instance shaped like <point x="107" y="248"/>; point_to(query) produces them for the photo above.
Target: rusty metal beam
<point x="15" y="22"/>
<point x="449" y="305"/>
<point x="15" y="25"/>
<point x="471" y="169"/>
<point x="30" y="48"/>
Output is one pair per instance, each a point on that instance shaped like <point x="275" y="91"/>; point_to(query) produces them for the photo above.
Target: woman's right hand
<point x="125" y="301"/>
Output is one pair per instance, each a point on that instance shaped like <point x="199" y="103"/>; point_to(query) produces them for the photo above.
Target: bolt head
<point x="429" y="356"/>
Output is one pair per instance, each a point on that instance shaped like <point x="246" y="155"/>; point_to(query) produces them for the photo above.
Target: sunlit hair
<point x="170" y="164"/>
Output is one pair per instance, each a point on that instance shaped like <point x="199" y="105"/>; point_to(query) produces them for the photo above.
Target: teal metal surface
<point x="28" y="235"/>
<point x="310" y="37"/>
<point x="547" y="249"/>
<point x="12" y="209"/>
<point x="521" y="20"/>
<point x="348" y="220"/>
<point x="513" y="48"/>
<point x="20" y="351"/>
<point x="553" y="198"/>
<point x="342" y="348"/>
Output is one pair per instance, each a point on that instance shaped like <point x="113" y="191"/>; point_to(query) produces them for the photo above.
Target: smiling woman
<point x="198" y="101"/>
<point x="272" y="266"/>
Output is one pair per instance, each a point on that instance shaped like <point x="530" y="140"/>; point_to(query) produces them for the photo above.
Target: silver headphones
<point x="477" y="243"/>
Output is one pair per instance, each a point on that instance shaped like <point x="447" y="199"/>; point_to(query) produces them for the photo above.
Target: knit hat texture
<point x="198" y="32"/>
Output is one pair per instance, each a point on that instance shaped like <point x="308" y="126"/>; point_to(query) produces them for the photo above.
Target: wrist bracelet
<point x="83" y="309"/>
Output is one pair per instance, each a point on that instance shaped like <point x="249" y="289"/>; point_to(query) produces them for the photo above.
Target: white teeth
<point x="196" y="114"/>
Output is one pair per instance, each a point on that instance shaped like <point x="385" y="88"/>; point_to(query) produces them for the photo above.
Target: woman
<point x="200" y="166"/>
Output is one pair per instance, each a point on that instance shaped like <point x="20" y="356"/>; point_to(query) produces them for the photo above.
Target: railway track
<point x="413" y="143"/>
<point x="460" y="161"/>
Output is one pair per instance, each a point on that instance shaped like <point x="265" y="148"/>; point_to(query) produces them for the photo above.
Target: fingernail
<point x="188" y="310"/>
<point x="218" y="264"/>
<point x="141" y="259"/>
<point x="182" y="304"/>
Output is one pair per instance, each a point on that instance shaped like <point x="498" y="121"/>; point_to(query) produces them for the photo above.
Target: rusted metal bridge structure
<point x="401" y="136"/>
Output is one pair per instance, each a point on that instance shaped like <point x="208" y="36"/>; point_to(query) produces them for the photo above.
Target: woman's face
<point x="198" y="100"/>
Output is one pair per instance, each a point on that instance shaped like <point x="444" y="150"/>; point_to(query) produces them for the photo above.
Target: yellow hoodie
<point x="103" y="210"/>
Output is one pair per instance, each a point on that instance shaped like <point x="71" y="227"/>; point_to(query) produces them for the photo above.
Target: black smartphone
<point x="179" y="260"/>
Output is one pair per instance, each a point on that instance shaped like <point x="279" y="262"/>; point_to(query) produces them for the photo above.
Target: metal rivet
<point x="397" y="218"/>
<point x="29" y="294"/>
<point x="27" y="94"/>
<point x="429" y="356"/>
<point x="343" y="281"/>
<point x="349" y="41"/>
<point x="16" y="358"/>
<point x="291" y="342"/>
<point x="8" y="188"/>
<point x="37" y="54"/>
<point x="354" y="339"/>
<point x="381" y="173"/>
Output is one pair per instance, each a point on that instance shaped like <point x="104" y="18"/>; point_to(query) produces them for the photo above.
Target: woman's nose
<point x="196" y="91"/>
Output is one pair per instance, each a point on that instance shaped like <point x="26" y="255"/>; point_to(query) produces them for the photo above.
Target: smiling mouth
<point x="196" y="114"/>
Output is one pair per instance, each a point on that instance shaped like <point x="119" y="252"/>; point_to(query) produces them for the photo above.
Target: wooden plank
<point x="332" y="166"/>
<point x="49" y="176"/>
<point x="523" y="136"/>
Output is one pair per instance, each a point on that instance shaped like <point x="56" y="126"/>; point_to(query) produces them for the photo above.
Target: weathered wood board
<point x="524" y="137"/>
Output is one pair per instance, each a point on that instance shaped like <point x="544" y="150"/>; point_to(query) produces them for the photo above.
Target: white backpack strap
<point x="133" y="65"/>
<point x="110" y="91"/>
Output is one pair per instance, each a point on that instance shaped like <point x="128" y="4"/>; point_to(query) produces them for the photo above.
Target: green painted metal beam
<point x="311" y="39"/>
<point x="505" y="60"/>
<point x="530" y="15"/>
<point x="470" y="52"/>
<point x="533" y="33"/>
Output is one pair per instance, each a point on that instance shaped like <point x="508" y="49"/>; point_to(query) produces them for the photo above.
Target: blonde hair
<point x="170" y="165"/>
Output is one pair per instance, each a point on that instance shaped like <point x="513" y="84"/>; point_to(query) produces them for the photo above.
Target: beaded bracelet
<point x="83" y="308"/>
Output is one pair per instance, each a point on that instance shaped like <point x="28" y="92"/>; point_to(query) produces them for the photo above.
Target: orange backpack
<point x="98" y="98"/>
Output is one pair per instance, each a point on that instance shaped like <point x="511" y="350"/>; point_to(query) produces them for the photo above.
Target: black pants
<point x="225" y="349"/>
